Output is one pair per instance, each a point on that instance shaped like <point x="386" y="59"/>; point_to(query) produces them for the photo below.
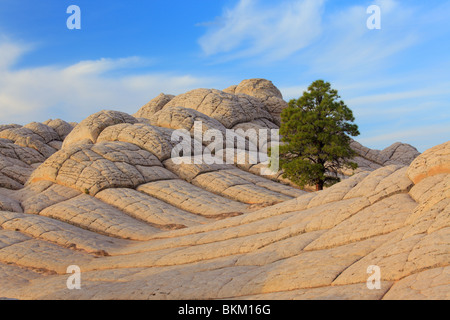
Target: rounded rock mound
<point x="88" y="130"/>
<point x="266" y="92"/>
<point x="154" y="106"/>
<point x="432" y="162"/>
<point x="226" y="108"/>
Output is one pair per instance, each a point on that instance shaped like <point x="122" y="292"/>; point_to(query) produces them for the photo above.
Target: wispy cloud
<point x="76" y="91"/>
<point x="350" y="49"/>
<point x="104" y="65"/>
<point x="10" y="52"/>
<point x="442" y="89"/>
<point x="419" y="136"/>
<point x="333" y="41"/>
<point x="271" y="32"/>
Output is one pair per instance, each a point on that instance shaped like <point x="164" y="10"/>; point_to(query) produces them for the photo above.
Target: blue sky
<point x="396" y="80"/>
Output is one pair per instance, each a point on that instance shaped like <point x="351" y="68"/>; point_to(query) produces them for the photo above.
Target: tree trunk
<point x="319" y="185"/>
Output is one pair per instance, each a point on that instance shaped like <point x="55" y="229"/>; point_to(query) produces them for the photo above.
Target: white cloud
<point x="331" y="43"/>
<point x="272" y="32"/>
<point x="103" y="65"/>
<point x="10" y="53"/>
<point x="350" y="49"/>
<point x="76" y="91"/>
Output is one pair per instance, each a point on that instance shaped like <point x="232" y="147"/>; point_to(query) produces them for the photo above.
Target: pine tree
<point x="316" y="132"/>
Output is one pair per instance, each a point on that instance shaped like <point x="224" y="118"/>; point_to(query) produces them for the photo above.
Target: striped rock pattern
<point x="109" y="197"/>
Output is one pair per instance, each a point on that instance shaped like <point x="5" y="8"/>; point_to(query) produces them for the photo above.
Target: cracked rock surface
<point x="108" y="196"/>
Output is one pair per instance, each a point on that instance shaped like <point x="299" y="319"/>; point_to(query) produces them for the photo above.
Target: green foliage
<point x="316" y="132"/>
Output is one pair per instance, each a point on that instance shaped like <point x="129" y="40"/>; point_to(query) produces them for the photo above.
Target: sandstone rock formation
<point x="265" y="91"/>
<point x="109" y="197"/>
<point x="154" y="106"/>
<point x="22" y="149"/>
<point x="398" y="153"/>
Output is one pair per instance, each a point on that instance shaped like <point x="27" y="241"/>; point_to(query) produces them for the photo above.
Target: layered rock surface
<point x="109" y="197"/>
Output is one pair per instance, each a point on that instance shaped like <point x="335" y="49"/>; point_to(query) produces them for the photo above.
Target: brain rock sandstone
<point x="107" y="196"/>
